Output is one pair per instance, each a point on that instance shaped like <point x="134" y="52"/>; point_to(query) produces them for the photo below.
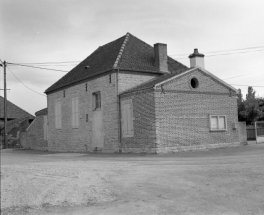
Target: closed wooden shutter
<point x="57" y="115"/>
<point x="45" y="128"/>
<point x="75" y="112"/>
<point x="127" y="118"/>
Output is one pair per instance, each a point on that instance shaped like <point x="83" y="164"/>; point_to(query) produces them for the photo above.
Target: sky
<point x="229" y="33"/>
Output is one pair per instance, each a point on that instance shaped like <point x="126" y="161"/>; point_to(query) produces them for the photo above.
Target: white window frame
<point x="217" y="129"/>
<point x="127" y="119"/>
<point x="58" y="115"/>
<point x="75" y="112"/>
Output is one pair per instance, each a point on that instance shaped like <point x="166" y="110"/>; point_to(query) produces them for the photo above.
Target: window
<point x="110" y="79"/>
<point x="85" y="87"/>
<point x="75" y="112"/>
<point x="217" y="123"/>
<point x="96" y="100"/>
<point x="127" y="118"/>
<point x="194" y="83"/>
<point x="64" y="93"/>
<point x="58" y="115"/>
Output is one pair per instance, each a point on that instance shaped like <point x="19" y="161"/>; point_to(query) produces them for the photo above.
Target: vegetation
<point x="250" y="109"/>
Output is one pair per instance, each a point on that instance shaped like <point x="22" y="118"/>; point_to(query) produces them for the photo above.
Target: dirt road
<point x="220" y="181"/>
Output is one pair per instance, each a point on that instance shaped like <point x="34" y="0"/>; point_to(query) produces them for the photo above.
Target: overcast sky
<point x="70" y="30"/>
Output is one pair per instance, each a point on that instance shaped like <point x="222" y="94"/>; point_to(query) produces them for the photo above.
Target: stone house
<point x="128" y="96"/>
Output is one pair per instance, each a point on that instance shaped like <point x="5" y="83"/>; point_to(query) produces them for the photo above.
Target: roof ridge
<point x="121" y="51"/>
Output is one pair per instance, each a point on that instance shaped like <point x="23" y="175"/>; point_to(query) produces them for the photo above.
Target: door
<point x="97" y="129"/>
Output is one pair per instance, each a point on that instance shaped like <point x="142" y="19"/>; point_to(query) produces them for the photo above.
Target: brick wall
<point x="33" y="138"/>
<point x="182" y="114"/>
<point x="144" y="139"/>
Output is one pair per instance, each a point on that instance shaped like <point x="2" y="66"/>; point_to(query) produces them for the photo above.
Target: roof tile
<point x="126" y="53"/>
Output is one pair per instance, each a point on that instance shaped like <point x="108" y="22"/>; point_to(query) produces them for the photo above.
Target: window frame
<point x="97" y="101"/>
<point x="218" y="129"/>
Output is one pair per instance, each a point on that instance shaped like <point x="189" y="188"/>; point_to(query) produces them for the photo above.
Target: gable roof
<point x="13" y="111"/>
<point x="42" y="112"/>
<point x="126" y="53"/>
<point x="153" y="83"/>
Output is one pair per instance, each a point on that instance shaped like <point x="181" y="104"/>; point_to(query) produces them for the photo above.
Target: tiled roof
<point x="13" y="111"/>
<point x="42" y="112"/>
<point x="126" y="53"/>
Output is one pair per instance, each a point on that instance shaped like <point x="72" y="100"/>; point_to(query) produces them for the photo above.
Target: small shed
<point x="36" y="135"/>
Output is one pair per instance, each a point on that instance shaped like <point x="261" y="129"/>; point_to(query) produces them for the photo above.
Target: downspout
<point x="119" y="113"/>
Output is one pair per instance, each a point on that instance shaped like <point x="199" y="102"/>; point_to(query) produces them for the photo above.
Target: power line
<point x="24" y="84"/>
<point x="226" y="53"/>
<point x="240" y="49"/>
<point x="37" y="67"/>
<point x="245" y="85"/>
<point x="227" y="50"/>
<point x="62" y="62"/>
<point x="243" y="75"/>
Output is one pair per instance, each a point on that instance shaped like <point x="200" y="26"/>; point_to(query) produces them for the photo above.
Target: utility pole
<point x="5" y="108"/>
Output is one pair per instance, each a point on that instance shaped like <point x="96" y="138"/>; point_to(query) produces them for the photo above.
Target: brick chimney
<point x="196" y="59"/>
<point x="160" y="55"/>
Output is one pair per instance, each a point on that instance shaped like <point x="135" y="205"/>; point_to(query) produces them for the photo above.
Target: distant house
<point x="17" y="121"/>
<point x="128" y="96"/>
<point x="36" y="134"/>
<point x="13" y="112"/>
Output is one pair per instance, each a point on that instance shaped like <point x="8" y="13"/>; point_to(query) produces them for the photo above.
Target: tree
<point x="240" y="106"/>
<point x="252" y="110"/>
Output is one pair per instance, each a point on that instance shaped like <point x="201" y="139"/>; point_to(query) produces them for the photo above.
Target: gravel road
<point x="220" y="181"/>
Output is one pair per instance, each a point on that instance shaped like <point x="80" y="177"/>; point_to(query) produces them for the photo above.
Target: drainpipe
<point x="119" y="113"/>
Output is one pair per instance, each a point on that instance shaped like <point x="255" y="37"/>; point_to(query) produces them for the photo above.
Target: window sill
<point x="212" y="130"/>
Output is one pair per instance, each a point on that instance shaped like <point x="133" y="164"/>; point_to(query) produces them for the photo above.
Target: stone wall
<point x="33" y="138"/>
<point x="80" y="139"/>
<point x="128" y="80"/>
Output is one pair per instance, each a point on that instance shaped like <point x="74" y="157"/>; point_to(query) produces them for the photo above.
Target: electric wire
<point x="260" y="48"/>
<point x="225" y="54"/>
<point x="243" y="75"/>
<point x="23" y="83"/>
<point x="256" y="47"/>
<point x="37" y="67"/>
<point x="62" y="62"/>
<point x="245" y="85"/>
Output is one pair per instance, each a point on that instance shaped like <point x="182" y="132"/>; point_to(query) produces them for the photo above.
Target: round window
<point x="194" y="83"/>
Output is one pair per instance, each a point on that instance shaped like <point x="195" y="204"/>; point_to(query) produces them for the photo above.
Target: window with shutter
<point x="45" y="126"/>
<point x="58" y="115"/>
<point x="127" y="118"/>
<point x="75" y="112"/>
